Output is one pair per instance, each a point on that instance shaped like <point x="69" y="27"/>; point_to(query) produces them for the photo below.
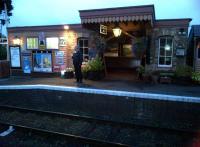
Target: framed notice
<point x="59" y="55"/>
<point x="180" y="52"/>
<point x="62" y="41"/>
<point x="15" y="58"/>
<point x="103" y="29"/>
<point x="27" y="64"/>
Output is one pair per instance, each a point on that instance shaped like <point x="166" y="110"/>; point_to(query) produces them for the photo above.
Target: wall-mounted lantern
<point x="16" y="41"/>
<point x="66" y="27"/>
<point x="117" y="31"/>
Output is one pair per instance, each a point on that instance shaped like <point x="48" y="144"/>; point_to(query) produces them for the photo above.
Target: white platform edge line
<point x="106" y="92"/>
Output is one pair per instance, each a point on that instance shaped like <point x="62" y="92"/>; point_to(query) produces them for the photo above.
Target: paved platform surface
<point x="110" y="84"/>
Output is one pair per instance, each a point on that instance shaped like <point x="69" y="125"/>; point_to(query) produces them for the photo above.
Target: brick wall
<point x="71" y="36"/>
<point x="178" y="40"/>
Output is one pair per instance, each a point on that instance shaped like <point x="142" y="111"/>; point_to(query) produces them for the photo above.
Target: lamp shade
<point x="117" y="32"/>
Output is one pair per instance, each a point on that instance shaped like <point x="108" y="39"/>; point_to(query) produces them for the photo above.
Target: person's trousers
<point x="78" y="73"/>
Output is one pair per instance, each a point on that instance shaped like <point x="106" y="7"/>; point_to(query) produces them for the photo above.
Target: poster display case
<point x="42" y="62"/>
<point x="15" y="58"/>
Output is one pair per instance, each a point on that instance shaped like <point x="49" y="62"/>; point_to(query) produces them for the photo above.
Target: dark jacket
<point x="77" y="58"/>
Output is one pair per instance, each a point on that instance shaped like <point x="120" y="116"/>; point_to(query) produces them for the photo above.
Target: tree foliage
<point x="9" y="6"/>
<point x="3" y="53"/>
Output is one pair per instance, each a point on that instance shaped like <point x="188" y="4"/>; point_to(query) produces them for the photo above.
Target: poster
<point x="59" y="55"/>
<point x="42" y="62"/>
<point x="15" y="56"/>
<point x="26" y="64"/>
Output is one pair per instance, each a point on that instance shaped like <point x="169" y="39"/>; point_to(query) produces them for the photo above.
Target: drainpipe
<point x="6" y="19"/>
<point x="194" y="58"/>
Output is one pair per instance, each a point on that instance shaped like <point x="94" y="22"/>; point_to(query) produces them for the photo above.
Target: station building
<point x="127" y="37"/>
<point x="193" y="58"/>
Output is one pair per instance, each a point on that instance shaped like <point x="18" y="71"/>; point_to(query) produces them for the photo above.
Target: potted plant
<point x="85" y="68"/>
<point x="68" y="73"/>
<point x="140" y="71"/>
<point x="196" y="77"/>
<point x="183" y="75"/>
<point x="96" y="69"/>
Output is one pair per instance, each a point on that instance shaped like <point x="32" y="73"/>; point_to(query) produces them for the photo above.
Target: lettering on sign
<point x="62" y="41"/>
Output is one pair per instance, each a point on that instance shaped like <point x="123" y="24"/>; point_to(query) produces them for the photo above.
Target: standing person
<point x="77" y="61"/>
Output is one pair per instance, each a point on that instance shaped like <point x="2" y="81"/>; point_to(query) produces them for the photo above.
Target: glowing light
<point x="167" y="47"/>
<point x="66" y="27"/>
<point x="117" y="32"/>
<point x="62" y="73"/>
<point x="16" y="41"/>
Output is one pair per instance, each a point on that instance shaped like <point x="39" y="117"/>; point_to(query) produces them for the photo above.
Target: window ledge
<point x="168" y="66"/>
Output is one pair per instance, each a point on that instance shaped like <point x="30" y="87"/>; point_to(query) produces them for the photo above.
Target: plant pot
<point x="69" y="75"/>
<point x="183" y="80"/>
<point x="154" y="79"/>
<point x="146" y="78"/>
<point x="85" y="75"/>
<point x="96" y="75"/>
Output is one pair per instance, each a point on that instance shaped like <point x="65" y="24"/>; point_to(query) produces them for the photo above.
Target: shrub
<point x="3" y="52"/>
<point x="196" y="76"/>
<point x="96" y="64"/>
<point x="140" y="69"/>
<point x="85" y="69"/>
<point x="183" y="71"/>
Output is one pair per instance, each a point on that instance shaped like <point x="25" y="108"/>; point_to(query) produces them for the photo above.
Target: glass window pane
<point x="162" y="51"/>
<point x="166" y="48"/>
<point x="32" y="43"/>
<point x="85" y="43"/>
<point x="169" y="53"/>
<point x="169" y="42"/>
<point x="161" y="60"/>
<point x="81" y="43"/>
<point x="162" y="42"/>
<point x="86" y="51"/>
<point x="52" y="42"/>
<point x="168" y="60"/>
<point x="81" y="49"/>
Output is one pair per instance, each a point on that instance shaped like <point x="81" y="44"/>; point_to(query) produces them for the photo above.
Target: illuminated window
<point x="32" y="43"/>
<point x="165" y="52"/>
<point x="52" y="42"/>
<point x="83" y="44"/>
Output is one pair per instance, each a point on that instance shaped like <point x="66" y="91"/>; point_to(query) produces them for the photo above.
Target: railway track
<point x="92" y="131"/>
<point x="73" y="138"/>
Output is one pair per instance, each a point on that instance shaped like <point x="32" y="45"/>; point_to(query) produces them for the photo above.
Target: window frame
<point x="52" y="48"/>
<point x="84" y="47"/>
<point x="165" y="56"/>
<point x="27" y="43"/>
